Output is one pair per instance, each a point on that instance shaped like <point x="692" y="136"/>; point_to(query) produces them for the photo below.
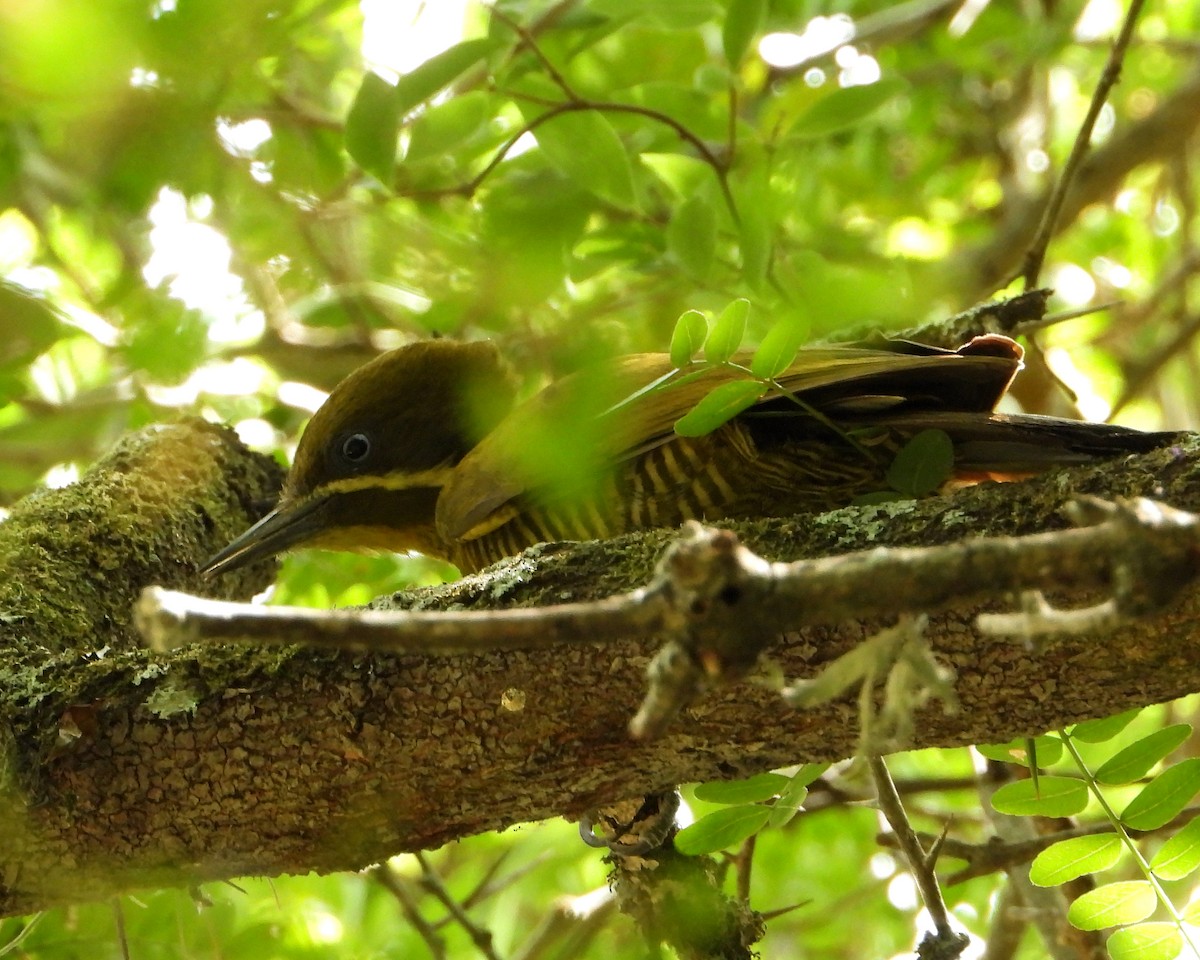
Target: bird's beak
<point x="285" y="526"/>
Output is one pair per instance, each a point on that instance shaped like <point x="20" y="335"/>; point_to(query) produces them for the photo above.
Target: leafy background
<point x="224" y="208"/>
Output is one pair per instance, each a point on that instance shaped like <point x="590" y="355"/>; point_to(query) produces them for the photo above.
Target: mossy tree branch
<point x="126" y="770"/>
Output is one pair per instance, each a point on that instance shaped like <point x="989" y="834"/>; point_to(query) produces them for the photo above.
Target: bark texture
<point x="124" y="770"/>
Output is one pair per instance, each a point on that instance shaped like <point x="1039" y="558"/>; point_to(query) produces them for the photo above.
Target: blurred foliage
<point x="226" y="207"/>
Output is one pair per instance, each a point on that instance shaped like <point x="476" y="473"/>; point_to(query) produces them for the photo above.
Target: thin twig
<point x="1145" y="547"/>
<point x="433" y="883"/>
<point x="744" y="863"/>
<point x="919" y="863"/>
<point x="1036" y="255"/>
<point x="31" y="924"/>
<point x="387" y="878"/>
<point x="528" y="41"/>
<point x="574" y="103"/>
<point x="122" y="933"/>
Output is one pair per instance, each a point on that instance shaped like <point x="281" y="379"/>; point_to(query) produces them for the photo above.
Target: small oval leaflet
<point x="692" y="236"/>
<point x="721" y="829"/>
<point x="1069" y="859"/>
<point x="751" y="790"/>
<point x="777" y="350"/>
<point x="727" y="332"/>
<point x="1164" y="797"/>
<point x="1135" y="761"/>
<point x="1126" y="901"/>
<point x="722" y="404"/>
<point x="1146" y="941"/>
<point x="1180" y="855"/>
<point x="688" y="337"/>
<point x="1049" y="751"/>
<point x="1097" y="731"/>
<point x="923" y="464"/>
<point x="1054" y="797"/>
<point x="373" y="127"/>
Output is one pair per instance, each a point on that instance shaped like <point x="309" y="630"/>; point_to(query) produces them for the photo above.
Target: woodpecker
<point x="423" y="448"/>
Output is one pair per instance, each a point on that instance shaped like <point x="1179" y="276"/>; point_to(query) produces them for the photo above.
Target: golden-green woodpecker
<point x="422" y="449"/>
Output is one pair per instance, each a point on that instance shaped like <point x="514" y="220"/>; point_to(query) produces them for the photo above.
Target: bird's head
<point x="373" y="459"/>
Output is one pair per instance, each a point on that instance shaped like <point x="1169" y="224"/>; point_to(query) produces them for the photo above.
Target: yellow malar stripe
<point x="398" y="480"/>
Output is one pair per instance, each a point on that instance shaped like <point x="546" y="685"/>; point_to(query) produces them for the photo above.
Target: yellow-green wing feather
<point x="611" y="421"/>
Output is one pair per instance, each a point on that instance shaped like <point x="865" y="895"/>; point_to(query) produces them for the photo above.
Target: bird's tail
<point x="1025" y="443"/>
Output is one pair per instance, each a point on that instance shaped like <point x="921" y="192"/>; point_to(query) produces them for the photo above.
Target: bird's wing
<point x="580" y="426"/>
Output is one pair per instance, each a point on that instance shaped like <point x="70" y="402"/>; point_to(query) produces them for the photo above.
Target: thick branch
<point x="215" y="762"/>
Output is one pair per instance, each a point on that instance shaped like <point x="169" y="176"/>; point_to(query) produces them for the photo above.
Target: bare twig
<point x="744" y="865"/>
<point x="398" y="887"/>
<point x="920" y="863"/>
<point x="1031" y="268"/>
<point x="574" y="103"/>
<point x="708" y="582"/>
<point x="433" y="883"/>
<point x="122" y="933"/>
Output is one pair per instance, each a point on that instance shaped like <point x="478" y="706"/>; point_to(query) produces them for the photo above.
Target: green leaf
<point x="720" y="405"/>
<point x="743" y="20"/>
<point x="418" y="85"/>
<point x="1073" y="858"/>
<point x="794" y="794"/>
<point x="373" y="126"/>
<point x="688" y="337"/>
<point x="1059" y="797"/>
<point x="752" y="790"/>
<point x="167" y="340"/>
<point x="585" y="147"/>
<point x="844" y="108"/>
<point x="672" y="14"/>
<point x="721" y="829"/>
<point x="1098" y="731"/>
<point x="28" y="325"/>
<point x="1126" y="901"/>
<point x="1146" y="941"/>
<point x="1049" y="751"/>
<point x="753" y="196"/>
<point x="1164" y="797"/>
<point x="923" y="464"/>
<point x="1135" y="761"/>
<point x="1180" y="855"/>
<point x="727" y="332"/>
<point x="809" y="773"/>
<point x="692" y="236"/>
<point x="448" y="125"/>
<point x="778" y="349"/>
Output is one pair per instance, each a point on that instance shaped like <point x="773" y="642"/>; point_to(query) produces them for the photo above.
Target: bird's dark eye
<point x="356" y="448"/>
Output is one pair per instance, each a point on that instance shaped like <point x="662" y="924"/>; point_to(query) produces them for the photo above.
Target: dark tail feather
<point x="1027" y="443"/>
